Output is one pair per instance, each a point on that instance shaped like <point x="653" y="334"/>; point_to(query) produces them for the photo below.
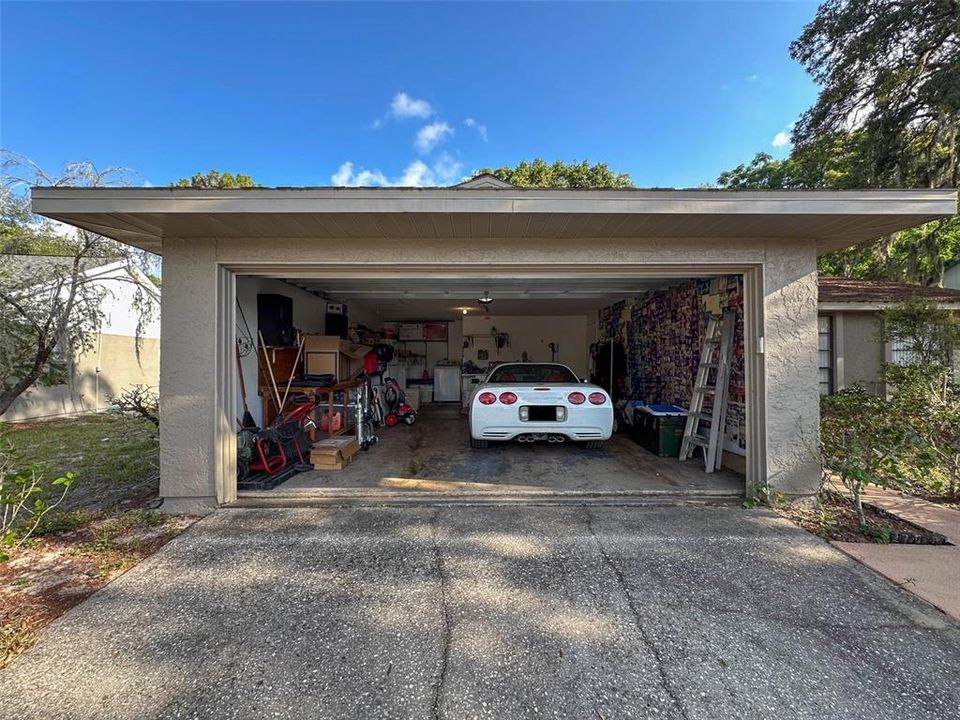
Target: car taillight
<point x="576" y="398"/>
<point x="508" y="398"/>
<point x="597" y="398"/>
<point x="487" y="398"/>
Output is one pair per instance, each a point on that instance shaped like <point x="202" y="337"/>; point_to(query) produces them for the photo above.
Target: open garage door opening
<point x="395" y="374"/>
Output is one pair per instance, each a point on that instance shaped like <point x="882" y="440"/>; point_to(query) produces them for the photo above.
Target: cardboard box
<point x="333" y="453"/>
<point x="329" y="355"/>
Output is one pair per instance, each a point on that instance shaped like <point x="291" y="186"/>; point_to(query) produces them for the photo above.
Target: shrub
<point x="24" y="498"/>
<point x="140" y="400"/>
<point x="862" y="442"/>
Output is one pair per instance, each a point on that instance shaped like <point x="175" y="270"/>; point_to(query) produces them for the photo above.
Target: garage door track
<point x="493" y="612"/>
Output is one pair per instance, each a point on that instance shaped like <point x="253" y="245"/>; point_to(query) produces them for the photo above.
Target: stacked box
<point x="333" y="453"/>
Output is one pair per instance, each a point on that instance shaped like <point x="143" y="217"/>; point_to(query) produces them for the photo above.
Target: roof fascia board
<point x="365" y="200"/>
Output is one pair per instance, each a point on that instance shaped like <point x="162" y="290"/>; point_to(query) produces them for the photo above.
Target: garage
<point x="635" y="265"/>
<point x="433" y="340"/>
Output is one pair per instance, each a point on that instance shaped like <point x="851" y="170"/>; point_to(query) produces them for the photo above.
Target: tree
<point x="924" y="394"/>
<point x="215" y="179"/>
<point x="50" y="307"/>
<point x="862" y="442"/>
<point x="558" y="174"/>
<point x="929" y="333"/>
<point x="890" y="70"/>
<point x="888" y="115"/>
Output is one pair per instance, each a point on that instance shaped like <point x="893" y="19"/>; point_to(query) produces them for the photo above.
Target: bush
<point x="24" y="498"/>
<point x="863" y="442"/>
<point x="139" y="400"/>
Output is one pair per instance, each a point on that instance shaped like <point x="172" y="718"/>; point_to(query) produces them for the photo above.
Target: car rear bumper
<point x="574" y="433"/>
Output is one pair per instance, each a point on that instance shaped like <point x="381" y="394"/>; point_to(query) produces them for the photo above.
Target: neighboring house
<point x="951" y="275"/>
<point x="113" y="362"/>
<point x="649" y="261"/>
<point x="850" y="353"/>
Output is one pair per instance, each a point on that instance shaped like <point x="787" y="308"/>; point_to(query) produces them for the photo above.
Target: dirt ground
<point x="55" y="571"/>
<point x="836" y="519"/>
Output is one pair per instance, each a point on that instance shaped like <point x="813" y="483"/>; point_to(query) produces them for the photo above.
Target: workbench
<point x="315" y="393"/>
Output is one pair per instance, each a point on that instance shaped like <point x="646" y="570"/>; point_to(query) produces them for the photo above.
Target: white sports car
<point x="539" y="401"/>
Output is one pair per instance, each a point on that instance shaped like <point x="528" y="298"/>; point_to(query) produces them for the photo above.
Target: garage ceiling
<point x="443" y="298"/>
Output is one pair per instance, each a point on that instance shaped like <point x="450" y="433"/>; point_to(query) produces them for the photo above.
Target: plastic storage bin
<point x="659" y="428"/>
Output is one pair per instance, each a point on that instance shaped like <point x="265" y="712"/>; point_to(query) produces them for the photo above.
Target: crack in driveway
<point x="637" y="619"/>
<point x="438" y="688"/>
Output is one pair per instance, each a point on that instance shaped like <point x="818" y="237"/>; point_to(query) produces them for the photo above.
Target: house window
<point x="825" y="346"/>
<point x="900" y="353"/>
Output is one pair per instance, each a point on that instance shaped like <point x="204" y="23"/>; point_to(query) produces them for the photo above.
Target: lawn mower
<point x="397" y="409"/>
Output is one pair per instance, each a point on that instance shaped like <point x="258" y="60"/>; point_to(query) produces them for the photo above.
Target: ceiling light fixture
<point x="464" y="311"/>
<point x="485" y="298"/>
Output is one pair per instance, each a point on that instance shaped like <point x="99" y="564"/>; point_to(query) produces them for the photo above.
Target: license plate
<point x="543" y="413"/>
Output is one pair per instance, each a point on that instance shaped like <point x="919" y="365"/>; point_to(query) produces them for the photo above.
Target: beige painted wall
<point x="863" y="354"/>
<point x="90" y="390"/>
<point x="188" y="369"/>
<point x="533" y="335"/>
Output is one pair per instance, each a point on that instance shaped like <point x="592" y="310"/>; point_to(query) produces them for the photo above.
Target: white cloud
<point x="346" y="177"/>
<point x="780" y="139"/>
<point x="417" y="174"/>
<point x="481" y="129"/>
<point x="753" y="78"/>
<point x="429" y="136"/>
<point x="445" y="171"/>
<point x="404" y="106"/>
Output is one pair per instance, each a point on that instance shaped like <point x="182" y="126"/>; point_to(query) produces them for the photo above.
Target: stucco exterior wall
<point x="89" y="390"/>
<point x="112" y="363"/>
<point x="188" y="375"/>
<point x="792" y="385"/>
<point x="190" y="330"/>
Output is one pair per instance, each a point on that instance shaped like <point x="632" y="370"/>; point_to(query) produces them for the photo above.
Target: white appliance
<point x="397" y="371"/>
<point x="446" y="383"/>
<point x="467" y="386"/>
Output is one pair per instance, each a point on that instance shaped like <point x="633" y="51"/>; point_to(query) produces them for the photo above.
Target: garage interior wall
<point x="662" y="332"/>
<point x="533" y="336"/>
<point x="309" y="314"/>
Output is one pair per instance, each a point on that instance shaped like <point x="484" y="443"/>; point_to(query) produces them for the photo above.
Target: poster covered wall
<point x="663" y="333"/>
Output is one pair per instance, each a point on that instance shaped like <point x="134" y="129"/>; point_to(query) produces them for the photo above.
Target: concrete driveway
<point x="493" y="612"/>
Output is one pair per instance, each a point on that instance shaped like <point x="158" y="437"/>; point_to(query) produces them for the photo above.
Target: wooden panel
<point x="281" y="361"/>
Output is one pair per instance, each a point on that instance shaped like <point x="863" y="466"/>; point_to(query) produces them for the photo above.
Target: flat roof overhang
<point x="142" y="217"/>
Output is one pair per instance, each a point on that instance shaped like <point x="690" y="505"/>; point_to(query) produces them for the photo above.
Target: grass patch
<point x="114" y="457"/>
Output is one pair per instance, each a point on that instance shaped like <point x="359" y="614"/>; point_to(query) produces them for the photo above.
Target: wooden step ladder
<point x="715" y="363"/>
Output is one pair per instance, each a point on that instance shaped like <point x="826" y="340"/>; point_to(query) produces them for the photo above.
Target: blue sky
<point x="671" y="92"/>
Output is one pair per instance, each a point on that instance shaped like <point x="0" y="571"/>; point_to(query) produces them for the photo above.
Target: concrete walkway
<point x="931" y="572"/>
<point x="493" y="612"/>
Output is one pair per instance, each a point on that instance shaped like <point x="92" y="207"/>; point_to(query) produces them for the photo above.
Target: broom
<point x="247" y="422"/>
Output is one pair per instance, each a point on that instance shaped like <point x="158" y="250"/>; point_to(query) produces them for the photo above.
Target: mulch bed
<point x="55" y="572"/>
<point x="836" y="519"/>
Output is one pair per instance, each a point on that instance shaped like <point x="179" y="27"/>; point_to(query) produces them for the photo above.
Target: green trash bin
<point x="659" y="428"/>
